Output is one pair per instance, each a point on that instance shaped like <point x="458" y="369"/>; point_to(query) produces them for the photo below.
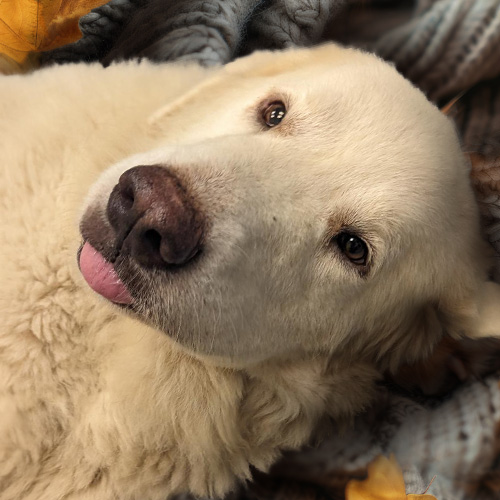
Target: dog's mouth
<point x="101" y="276"/>
<point x="150" y="225"/>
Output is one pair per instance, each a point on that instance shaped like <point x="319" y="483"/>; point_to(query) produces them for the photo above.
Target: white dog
<point x="289" y="226"/>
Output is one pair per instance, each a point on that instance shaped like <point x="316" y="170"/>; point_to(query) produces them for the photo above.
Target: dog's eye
<point x="274" y="114"/>
<point x="354" y="248"/>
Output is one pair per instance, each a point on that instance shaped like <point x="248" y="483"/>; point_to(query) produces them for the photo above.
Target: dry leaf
<point x="36" y="25"/>
<point x="449" y="105"/>
<point x="385" y="482"/>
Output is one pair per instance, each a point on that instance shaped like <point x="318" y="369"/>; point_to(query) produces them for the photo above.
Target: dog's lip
<point x="101" y="275"/>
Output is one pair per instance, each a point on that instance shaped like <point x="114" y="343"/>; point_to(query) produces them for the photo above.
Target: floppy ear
<point x="451" y="363"/>
<point x="468" y="309"/>
<point x="221" y="78"/>
<point x="467" y="333"/>
<point x="486" y="322"/>
<point x="191" y="97"/>
<point x="474" y="315"/>
<point x="485" y="176"/>
<point x="261" y="64"/>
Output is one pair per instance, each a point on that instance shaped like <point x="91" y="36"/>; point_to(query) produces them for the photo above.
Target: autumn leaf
<point x="385" y="482"/>
<point x="447" y="108"/>
<point x="36" y="25"/>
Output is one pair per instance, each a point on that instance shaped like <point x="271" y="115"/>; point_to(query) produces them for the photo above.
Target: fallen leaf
<point x="384" y="482"/>
<point x="36" y="25"/>
<point x="449" y="105"/>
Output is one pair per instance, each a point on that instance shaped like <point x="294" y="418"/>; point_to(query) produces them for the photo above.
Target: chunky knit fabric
<point x="210" y="32"/>
<point x="451" y="46"/>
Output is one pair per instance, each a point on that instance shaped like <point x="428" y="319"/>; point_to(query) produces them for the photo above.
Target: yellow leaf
<point x="385" y="482"/>
<point x="421" y="497"/>
<point x="35" y="25"/>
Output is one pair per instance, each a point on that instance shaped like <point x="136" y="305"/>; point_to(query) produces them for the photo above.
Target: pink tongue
<point x="101" y="276"/>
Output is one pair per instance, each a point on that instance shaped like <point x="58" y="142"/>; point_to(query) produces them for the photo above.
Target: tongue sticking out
<point x="101" y="276"/>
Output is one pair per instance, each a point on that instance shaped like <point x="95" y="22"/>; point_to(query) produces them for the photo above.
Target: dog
<point x="200" y="265"/>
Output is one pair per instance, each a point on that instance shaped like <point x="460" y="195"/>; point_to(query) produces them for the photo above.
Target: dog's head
<point x="311" y="200"/>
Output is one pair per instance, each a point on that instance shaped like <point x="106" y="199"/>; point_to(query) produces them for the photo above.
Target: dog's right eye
<point x="353" y="248"/>
<point x="274" y="114"/>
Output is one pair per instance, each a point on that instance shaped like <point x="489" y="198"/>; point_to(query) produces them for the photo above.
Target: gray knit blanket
<point x="446" y="47"/>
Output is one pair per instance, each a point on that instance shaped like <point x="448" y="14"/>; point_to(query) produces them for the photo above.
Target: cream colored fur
<point x="94" y="404"/>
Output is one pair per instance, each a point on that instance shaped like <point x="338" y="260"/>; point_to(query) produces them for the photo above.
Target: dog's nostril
<point x="128" y="196"/>
<point x="153" y="239"/>
<point x="154" y="217"/>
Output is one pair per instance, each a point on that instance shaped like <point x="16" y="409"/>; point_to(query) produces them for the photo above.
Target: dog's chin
<point x="106" y="275"/>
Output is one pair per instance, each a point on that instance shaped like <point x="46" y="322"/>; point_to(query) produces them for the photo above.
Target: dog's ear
<point x="261" y="64"/>
<point x="448" y="342"/>
<point x="451" y="363"/>
<point x="485" y="321"/>
<point x="191" y="97"/>
<point x="474" y="315"/>
<point x="218" y="80"/>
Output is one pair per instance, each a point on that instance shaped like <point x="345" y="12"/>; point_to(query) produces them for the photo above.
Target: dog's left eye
<point x="354" y="248"/>
<point x="274" y="114"/>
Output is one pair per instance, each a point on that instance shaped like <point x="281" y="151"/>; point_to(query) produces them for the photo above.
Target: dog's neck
<point x="200" y="425"/>
<point x="152" y="420"/>
<point x="145" y="419"/>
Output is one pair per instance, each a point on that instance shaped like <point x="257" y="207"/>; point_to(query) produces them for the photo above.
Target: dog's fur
<point x="274" y="328"/>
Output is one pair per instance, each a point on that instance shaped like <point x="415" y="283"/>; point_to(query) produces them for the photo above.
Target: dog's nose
<point x="154" y="217"/>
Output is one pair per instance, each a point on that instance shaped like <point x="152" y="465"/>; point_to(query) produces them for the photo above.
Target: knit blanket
<point x="448" y="48"/>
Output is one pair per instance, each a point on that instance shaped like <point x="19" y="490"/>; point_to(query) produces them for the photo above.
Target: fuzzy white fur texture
<point x="100" y="404"/>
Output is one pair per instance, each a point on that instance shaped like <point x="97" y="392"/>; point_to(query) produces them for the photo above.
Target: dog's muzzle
<point x="154" y="224"/>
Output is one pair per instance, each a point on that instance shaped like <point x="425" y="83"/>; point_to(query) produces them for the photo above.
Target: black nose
<point x="154" y="217"/>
